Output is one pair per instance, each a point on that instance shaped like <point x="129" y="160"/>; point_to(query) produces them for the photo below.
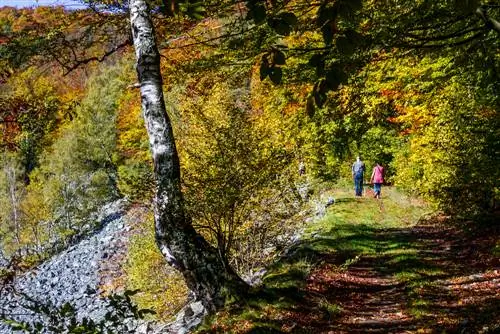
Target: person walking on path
<point x="377" y="179"/>
<point x="358" y="170"/>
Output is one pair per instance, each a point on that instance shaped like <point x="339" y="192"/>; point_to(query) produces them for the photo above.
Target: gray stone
<point x="187" y="319"/>
<point x="71" y="276"/>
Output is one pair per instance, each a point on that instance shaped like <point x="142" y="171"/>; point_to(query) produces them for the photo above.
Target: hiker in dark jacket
<point x="358" y="170"/>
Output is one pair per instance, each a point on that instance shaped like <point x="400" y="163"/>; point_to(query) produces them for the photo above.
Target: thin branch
<point x="444" y="37"/>
<point x="433" y="46"/>
<point x="439" y="25"/>
<point x="98" y="59"/>
<point x="205" y="41"/>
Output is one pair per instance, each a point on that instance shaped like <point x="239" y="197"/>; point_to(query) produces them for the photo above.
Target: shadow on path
<point x="435" y="277"/>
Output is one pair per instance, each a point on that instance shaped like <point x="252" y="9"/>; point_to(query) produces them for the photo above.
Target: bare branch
<point x="446" y="36"/>
<point x="439" y="25"/>
<point x="78" y="63"/>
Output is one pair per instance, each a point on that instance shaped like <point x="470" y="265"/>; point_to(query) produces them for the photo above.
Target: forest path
<point x="430" y="278"/>
<point x="374" y="266"/>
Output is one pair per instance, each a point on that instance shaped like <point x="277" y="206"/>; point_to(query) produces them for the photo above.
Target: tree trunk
<point x="183" y="248"/>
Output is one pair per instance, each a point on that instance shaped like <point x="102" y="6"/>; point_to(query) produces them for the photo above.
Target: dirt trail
<point x="449" y="283"/>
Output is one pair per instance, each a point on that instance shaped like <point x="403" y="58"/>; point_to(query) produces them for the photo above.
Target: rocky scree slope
<point x="73" y="275"/>
<point x="82" y="274"/>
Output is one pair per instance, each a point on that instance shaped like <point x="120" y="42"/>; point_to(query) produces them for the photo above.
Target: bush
<point x="136" y="180"/>
<point x="237" y="181"/>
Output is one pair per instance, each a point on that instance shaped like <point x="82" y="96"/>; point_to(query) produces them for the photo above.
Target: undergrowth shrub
<point x="162" y="288"/>
<point x="135" y="180"/>
<point x="273" y="223"/>
<point x="135" y="170"/>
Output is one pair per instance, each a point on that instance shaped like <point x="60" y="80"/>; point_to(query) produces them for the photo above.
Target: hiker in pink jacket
<point x="377" y="179"/>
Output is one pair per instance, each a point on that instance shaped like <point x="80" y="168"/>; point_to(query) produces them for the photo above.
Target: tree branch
<point x="444" y="37"/>
<point x="491" y="23"/>
<point x="78" y="63"/>
<point x="439" y="25"/>
<point x="424" y="45"/>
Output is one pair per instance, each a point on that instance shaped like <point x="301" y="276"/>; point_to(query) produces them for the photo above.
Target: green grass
<point x="419" y="308"/>
<point x="355" y="227"/>
<point x="394" y="210"/>
<point x="329" y="309"/>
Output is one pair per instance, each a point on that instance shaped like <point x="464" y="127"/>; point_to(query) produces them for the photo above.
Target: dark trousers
<point x="358" y="185"/>
<point x="377" y="189"/>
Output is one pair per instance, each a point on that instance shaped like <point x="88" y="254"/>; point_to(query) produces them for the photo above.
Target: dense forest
<point x="203" y="111"/>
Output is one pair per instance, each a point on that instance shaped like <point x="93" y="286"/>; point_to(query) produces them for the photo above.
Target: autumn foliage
<point x="318" y="83"/>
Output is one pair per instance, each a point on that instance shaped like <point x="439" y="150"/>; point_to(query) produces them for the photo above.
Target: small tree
<point x="12" y="190"/>
<point x="232" y="170"/>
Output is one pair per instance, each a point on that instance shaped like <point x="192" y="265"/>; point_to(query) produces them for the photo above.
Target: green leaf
<point x="276" y="74"/>
<point x="15" y="325"/>
<point x="327" y="32"/>
<point x="334" y="77"/>
<point x="280" y="26"/>
<point x="326" y="14"/>
<point x="38" y="326"/>
<point x="316" y="60"/>
<point x="345" y="46"/>
<point x="279" y="58"/>
<point x="257" y="12"/>
<point x="194" y="10"/>
<point x="264" y="67"/>
<point x="289" y="18"/>
<point x="67" y="308"/>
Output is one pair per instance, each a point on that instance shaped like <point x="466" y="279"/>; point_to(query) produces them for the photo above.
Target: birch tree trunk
<point x="205" y="273"/>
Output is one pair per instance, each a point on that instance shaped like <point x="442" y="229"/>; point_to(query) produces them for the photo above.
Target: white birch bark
<point x="205" y="273"/>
